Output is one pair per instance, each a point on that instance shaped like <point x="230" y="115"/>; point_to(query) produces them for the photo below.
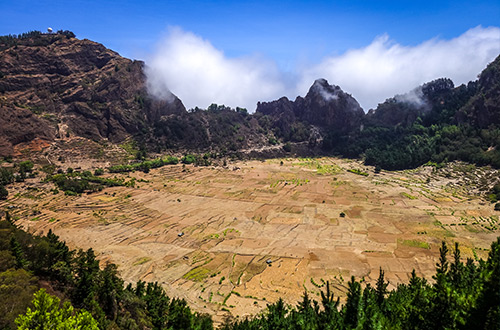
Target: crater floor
<point x="230" y="240"/>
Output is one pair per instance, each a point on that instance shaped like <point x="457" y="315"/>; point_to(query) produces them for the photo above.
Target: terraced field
<point x="229" y="240"/>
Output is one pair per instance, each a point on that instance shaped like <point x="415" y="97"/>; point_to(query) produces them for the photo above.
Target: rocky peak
<point x="321" y="88"/>
<point x="277" y="107"/>
<point x="329" y="106"/>
<point x="325" y="106"/>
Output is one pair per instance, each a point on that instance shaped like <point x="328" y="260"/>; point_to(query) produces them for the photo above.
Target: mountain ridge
<point x="54" y="87"/>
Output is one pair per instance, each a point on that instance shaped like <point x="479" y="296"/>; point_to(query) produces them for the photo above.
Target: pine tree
<point x="351" y="308"/>
<point x="330" y="317"/>
<point x="487" y="313"/>
<point x="381" y="288"/>
<point x="17" y="252"/>
<point x="441" y="310"/>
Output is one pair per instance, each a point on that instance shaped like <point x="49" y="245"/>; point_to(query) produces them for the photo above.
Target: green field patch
<point x="415" y="243"/>
<point x="197" y="274"/>
<point x="229" y="231"/>
<point x="328" y="169"/>
<point x="200" y="256"/>
<point x="337" y="183"/>
<point x="357" y="171"/>
<point x="141" y="261"/>
<point x="321" y="169"/>
<point x="408" y="196"/>
<point x="283" y="182"/>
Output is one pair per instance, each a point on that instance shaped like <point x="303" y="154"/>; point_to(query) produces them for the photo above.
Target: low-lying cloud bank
<point x="199" y="74"/>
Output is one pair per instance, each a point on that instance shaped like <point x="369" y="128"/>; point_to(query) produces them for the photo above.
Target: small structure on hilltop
<point x="49" y="30"/>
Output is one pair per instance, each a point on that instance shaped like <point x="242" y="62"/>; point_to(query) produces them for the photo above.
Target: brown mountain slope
<point x="54" y="85"/>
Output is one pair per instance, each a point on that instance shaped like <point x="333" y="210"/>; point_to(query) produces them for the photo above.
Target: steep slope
<point x="405" y="109"/>
<point x="325" y="106"/>
<point x="483" y="109"/>
<point x="54" y="85"/>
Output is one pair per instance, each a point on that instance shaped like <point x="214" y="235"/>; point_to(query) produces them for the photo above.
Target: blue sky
<point x="283" y="30"/>
<point x="294" y="35"/>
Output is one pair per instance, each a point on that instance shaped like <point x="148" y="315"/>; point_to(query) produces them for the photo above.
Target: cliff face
<point x="57" y="86"/>
<point x="483" y="109"/>
<point x="325" y="106"/>
<point x="406" y="108"/>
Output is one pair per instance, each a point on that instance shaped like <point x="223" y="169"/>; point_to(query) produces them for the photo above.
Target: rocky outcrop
<point x="18" y="126"/>
<point x="49" y="81"/>
<point x="483" y="109"/>
<point x="325" y="106"/>
<point x="404" y="109"/>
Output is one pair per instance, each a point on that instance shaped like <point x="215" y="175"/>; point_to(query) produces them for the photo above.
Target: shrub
<point x="6" y="176"/>
<point x="272" y="141"/>
<point x="26" y="166"/>
<point x="188" y="159"/>
<point x="3" y="192"/>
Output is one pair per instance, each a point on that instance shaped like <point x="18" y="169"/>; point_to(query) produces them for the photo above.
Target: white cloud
<point x="385" y="68"/>
<point x="199" y="74"/>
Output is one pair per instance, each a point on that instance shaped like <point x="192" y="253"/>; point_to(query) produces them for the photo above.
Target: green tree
<point x="351" y="309"/>
<point x="16" y="291"/>
<point x="330" y="314"/>
<point x="487" y="312"/>
<point x="48" y="314"/>
<point x="110" y="290"/>
<point x="17" y="252"/>
<point x="3" y="192"/>
<point x="381" y="288"/>
<point x="6" y="176"/>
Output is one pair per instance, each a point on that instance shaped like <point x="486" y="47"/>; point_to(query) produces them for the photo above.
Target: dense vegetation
<point x="19" y="172"/>
<point x="462" y="295"/>
<point x="409" y="147"/>
<point x="73" y="182"/>
<point x="144" y="166"/>
<point x="446" y="124"/>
